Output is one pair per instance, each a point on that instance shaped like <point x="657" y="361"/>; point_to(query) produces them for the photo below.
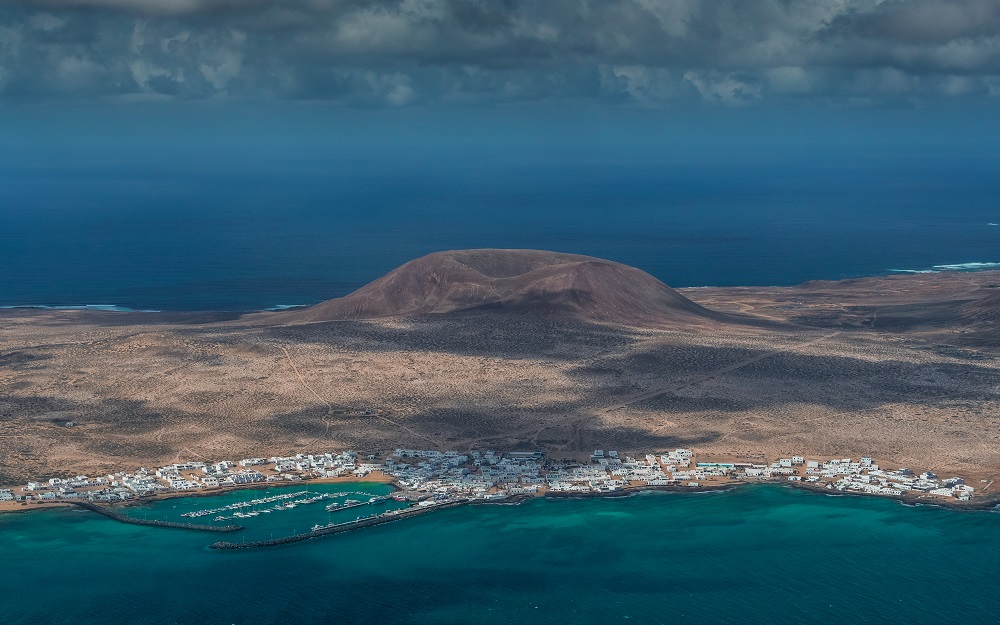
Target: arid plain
<point x="904" y="368"/>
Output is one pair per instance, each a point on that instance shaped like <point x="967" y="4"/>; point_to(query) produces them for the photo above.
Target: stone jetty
<point x="111" y="514"/>
<point x="386" y="517"/>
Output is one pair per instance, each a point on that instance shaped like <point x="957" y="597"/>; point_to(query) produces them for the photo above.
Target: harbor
<point x="285" y="501"/>
<point x="338" y="528"/>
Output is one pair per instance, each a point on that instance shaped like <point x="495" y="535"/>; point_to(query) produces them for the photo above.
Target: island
<point x="543" y="357"/>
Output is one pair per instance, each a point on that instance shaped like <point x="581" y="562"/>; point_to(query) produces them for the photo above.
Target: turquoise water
<point x="754" y="555"/>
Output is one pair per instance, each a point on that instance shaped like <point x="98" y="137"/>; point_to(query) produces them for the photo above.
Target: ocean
<point x="255" y="232"/>
<point x="754" y="555"/>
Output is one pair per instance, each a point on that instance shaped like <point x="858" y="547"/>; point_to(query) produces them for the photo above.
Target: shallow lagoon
<point x="760" y="554"/>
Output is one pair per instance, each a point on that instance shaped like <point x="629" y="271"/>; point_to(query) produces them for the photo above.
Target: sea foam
<point x="974" y="266"/>
<point x="967" y="266"/>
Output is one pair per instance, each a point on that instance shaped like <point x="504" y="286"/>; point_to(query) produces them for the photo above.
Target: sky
<point x="562" y="71"/>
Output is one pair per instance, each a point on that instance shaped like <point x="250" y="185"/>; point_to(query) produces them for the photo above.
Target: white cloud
<point x="76" y="73"/>
<point x="674" y="18"/>
<point x="956" y="86"/>
<point x="46" y="22"/>
<point x="224" y="63"/>
<point x="723" y="88"/>
<point x="395" y="89"/>
<point x="143" y="71"/>
<point x="882" y="81"/>
<point x="992" y="85"/>
<point x="790" y="80"/>
<point x="644" y="85"/>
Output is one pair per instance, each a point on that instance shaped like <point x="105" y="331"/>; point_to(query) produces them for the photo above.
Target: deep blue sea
<point x="755" y="555"/>
<point x="228" y="233"/>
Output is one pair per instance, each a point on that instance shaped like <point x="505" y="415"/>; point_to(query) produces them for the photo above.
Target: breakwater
<point x="339" y="528"/>
<point x="111" y="514"/>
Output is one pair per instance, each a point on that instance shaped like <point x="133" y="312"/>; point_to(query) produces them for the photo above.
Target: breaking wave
<point x="967" y="266"/>
<point x="976" y="266"/>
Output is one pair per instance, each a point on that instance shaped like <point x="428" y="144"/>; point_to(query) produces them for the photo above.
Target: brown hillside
<point x="523" y="281"/>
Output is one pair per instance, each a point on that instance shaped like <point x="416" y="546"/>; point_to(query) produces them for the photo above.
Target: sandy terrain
<point x="890" y="367"/>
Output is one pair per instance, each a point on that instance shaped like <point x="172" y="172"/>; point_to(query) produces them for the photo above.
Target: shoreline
<point x="14" y="507"/>
<point x="629" y="491"/>
<point x="194" y="314"/>
<point x="984" y="504"/>
<point x="987" y="504"/>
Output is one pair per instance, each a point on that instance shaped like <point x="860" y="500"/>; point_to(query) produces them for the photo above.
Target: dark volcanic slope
<point x="532" y="281"/>
<point x="982" y="311"/>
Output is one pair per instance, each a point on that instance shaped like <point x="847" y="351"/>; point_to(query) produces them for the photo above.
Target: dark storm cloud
<point x="396" y="52"/>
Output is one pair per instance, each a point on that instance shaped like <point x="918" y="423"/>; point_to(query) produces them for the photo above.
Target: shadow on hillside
<point x="632" y="438"/>
<point x="686" y="376"/>
<point x="483" y="334"/>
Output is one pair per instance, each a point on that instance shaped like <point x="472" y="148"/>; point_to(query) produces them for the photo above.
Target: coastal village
<point x="430" y="477"/>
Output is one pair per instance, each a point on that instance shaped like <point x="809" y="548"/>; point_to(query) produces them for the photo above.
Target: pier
<point x="122" y="518"/>
<point x="335" y="507"/>
<point x="262" y="501"/>
<point x="386" y="517"/>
